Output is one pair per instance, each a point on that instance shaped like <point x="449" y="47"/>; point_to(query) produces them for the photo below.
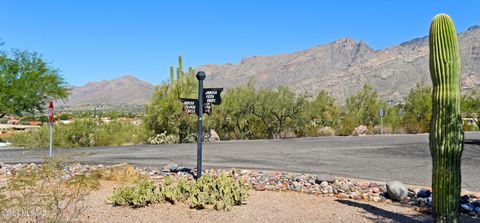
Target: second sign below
<point x="191" y="106"/>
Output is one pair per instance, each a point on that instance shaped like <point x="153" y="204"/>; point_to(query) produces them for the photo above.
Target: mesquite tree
<point x="446" y="132"/>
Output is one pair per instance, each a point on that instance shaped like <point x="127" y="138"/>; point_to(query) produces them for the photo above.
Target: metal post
<point x="381" y="128"/>
<point x="200" y="77"/>
<point x="51" y="139"/>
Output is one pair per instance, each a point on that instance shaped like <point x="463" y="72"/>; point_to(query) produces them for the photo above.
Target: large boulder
<point x="397" y="190"/>
<point x="324" y="177"/>
<point x="360" y="130"/>
<point x="213" y="136"/>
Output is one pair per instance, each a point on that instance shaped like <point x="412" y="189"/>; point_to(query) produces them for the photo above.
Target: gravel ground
<point x="262" y="206"/>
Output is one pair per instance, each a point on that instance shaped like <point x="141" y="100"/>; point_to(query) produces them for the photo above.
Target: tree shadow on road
<point x="379" y="215"/>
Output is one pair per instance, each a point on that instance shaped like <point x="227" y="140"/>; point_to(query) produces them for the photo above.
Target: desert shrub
<point x="118" y="133"/>
<point x="325" y="131"/>
<point x="469" y="127"/>
<point x="190" y="138"/>
<point x="348" y="125"/>
<point x="220" y="192"/>
<point x="386" y="129"/>
<point x="140" y="195"/>
<point x="34" y="139"/>
<point x="83" y="133"/>
<point x="163" y="138"/>
<point x="46" y="194"/>
<point x="288" y="134"/>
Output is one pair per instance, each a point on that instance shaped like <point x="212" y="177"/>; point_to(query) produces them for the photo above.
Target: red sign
<point x="50" y="112"/>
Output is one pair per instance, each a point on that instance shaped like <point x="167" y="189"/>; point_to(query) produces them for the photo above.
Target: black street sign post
<point x="206" y="97"/>
<point x="200" y="77"/>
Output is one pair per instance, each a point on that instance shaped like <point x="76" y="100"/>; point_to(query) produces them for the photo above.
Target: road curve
<point x="383" y="158"/>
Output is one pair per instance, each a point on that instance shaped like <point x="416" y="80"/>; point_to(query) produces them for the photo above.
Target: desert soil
<point x="261" y="206"/>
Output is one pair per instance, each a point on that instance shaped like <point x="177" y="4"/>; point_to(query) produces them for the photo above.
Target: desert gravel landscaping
<point x="262" y="206"/>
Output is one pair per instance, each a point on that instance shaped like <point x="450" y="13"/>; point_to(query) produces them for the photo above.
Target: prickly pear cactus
<point x="446" y="132"/>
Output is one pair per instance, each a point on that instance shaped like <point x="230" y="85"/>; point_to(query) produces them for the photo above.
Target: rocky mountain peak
<point x="471" y="28"/>
<point x="343" y="66"/>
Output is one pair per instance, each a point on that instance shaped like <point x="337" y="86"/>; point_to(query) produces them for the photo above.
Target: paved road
<point x="406" y="158"/>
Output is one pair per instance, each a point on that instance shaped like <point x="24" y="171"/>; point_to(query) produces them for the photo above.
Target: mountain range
<point x="341" y="68"/>
<point x="125" y="90"/>
<point x="345" y="65"/>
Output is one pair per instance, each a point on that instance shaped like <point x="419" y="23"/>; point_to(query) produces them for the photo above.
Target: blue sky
<point x="92" y="40"/>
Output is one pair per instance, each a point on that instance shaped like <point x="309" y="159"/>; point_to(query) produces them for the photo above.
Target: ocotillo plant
<point x="446" y="132"/>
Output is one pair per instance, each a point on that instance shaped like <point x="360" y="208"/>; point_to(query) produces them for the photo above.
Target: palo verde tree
<point x="233" y="119"/>
<point x="418" y="109"/>
<point x="361" y="109"/>
<point x="320" y="112"/>
<point x="277" y="109"/>
<point x="471" y="107"/>
<point x="27" y="83"/>
<point x="446" y="131"/>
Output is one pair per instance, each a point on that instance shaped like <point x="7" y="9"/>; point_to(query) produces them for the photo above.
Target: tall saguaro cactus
<point x="172" y="76"/>
<point x="446" y="132"/>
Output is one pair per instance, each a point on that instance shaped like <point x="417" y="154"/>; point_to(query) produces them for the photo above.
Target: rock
<point x="361" y="130"/>
<point x="477" y="210"/>
<point x="356" y="197"/>
<point x="258" y="187"/>
<point x="184" y="170"/>
<point x="474" y="195"/>
<point x="375" y="190"/>
<point x="412" y="203"/>
<point x="323" y="184"/>
<point x="269" y="187"/>
<point x="324" y="177"/>
<point x="151" y="171"/>
<point x="465" y="199"/>
<point x="334" y="188"/>
<point x="329" y="189"/>
<point x="171" y="167"/>
<point x="345" y="187"/>
<point x="297" y="185"/>
<point x="375" y="198"/>
<point x="466" y="208"/>
<point x="1" y="165"/>
<point x="213" y="136"/>
<point x="424" y="193"/>
<point x="365" y="197"/>
<point x="476" y="203"/>
<point x="397" y="190"/>
<point x="342" y="196"/>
